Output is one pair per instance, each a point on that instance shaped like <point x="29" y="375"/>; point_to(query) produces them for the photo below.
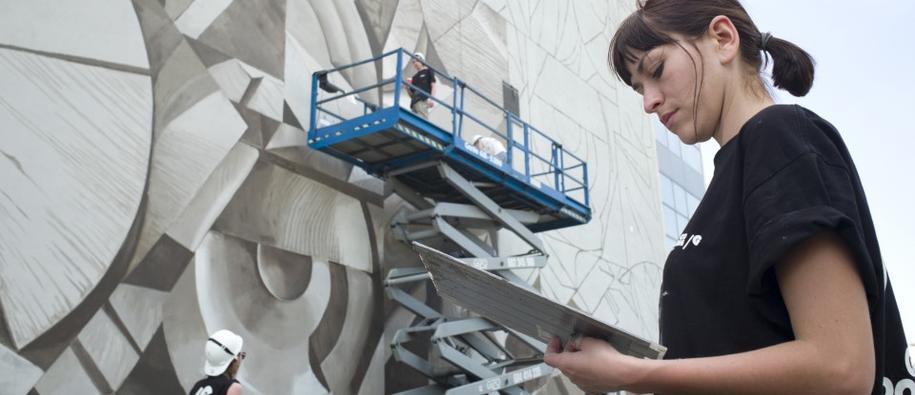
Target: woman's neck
<point x="739" y="105"/>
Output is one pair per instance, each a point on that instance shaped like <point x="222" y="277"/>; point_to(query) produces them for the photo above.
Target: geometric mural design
<point x="157" y="185"/>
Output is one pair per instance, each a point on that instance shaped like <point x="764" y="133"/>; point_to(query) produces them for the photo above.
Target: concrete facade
<point x="156" y="185"/>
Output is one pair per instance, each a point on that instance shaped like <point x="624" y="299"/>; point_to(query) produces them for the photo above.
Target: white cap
<point x="420" y="56"/>
<point x="222" y="347"/>
<point x="475" y="138"/>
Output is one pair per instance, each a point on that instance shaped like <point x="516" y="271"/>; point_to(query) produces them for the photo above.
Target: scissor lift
<point x="459" y="193"/>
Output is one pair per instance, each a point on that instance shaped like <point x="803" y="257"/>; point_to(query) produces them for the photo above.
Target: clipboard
<point x="521" y="309"/>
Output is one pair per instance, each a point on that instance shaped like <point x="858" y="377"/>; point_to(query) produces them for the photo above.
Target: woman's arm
<point x="833" y="352"/>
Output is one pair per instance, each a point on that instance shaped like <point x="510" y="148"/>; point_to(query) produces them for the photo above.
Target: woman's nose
<point x="652" y="99"/>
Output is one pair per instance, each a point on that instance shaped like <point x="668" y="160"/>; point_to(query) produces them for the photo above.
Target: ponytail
<point x="792" y="67"/>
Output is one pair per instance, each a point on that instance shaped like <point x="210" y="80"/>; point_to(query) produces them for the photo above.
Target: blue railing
<point x="533" y="154"/>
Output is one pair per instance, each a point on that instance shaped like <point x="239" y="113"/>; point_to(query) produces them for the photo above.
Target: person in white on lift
<point x="223" y="358"/>
<point x="489" y="145"/>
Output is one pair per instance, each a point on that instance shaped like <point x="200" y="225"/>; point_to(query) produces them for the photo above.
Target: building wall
<point x="156" y="185"/>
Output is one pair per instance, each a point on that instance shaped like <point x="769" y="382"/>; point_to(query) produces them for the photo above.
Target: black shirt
<point x="423" y="79"/>
<point x="785" y="177"/>
<point x="212" y="385"/>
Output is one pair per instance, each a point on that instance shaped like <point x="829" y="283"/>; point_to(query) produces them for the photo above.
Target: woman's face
<point x="666" y="77"/>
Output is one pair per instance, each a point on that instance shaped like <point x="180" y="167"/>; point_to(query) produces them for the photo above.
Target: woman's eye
<point x="658" y="71"/>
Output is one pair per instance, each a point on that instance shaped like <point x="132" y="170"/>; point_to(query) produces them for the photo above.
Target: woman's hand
<point x="594" y="365"/>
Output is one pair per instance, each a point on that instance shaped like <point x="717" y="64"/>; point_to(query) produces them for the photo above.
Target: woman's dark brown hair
<point x="654" y="21"/>
<point x="232" y="370"/>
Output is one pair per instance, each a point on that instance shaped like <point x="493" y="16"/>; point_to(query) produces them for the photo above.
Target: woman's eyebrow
<point x="640" y="67"/>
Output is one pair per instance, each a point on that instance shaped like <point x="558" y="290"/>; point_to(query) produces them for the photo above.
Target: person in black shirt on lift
<point x="223" y="358"/>
<point x="776" y="285"/>
<point x="423" y="81"/>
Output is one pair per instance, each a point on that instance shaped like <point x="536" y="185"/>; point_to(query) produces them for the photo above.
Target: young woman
<point x="223" y="358"/>
<point x="777" y="285"/>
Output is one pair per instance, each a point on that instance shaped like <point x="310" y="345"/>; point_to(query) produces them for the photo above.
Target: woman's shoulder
<point x="788" y="131"/>
<point x="782" y="134"/>
<point x="778" y="122"/>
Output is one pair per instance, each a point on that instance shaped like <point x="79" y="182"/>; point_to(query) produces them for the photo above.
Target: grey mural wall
<point x="155" y="185"/>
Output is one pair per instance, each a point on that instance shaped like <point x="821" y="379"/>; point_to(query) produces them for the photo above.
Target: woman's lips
<point x="665" y="119"/>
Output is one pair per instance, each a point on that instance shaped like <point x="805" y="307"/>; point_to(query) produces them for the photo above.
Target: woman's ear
<point x="725" y="38"/>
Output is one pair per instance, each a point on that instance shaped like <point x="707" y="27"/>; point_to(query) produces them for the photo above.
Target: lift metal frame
<point x="457" y="192"/>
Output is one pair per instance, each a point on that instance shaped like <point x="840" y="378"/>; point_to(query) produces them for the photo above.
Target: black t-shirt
<point x="212" y="385"/>
<point x="785" y="177"/>
<point x="423" y="79"/>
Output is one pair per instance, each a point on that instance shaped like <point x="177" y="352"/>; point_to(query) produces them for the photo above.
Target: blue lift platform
<point x="388" y="140"/>
<point x="458" y="192"/>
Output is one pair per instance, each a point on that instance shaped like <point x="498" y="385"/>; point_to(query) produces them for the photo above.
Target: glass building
<point x="681" y="181"/>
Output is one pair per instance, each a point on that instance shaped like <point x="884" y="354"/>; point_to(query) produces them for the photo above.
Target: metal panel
<point x="527" y="312"/>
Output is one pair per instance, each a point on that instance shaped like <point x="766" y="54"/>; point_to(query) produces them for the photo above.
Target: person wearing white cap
<point x="423" y="81"/>
<point x="489" y="145"/>
<point x="223" y="358"/>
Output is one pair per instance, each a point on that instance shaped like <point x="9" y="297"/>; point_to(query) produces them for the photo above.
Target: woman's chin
<point x="688" y="137"/>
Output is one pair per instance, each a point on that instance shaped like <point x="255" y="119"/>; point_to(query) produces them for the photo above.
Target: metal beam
<point x="422" y="234"/>
<point x="490" y="207"/>
<point x="471" y="211"/>
<point x="461" y="327"/>
<point x="408" y="194"/>
<point x="431" y="389"/>
<point x="468" y="242"/>
<point x="490" y="381"/>
<point x="410" y="303"/>
<point x="407" y="279"/>
<point x="471" y="330"/>
<point x="507" y="382"/>
<point x="530" y="341"/>
<point x="410" y="169"/>
<point x="405" y="335"/>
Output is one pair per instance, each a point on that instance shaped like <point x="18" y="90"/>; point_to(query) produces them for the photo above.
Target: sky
<point x="864" y="85"/>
